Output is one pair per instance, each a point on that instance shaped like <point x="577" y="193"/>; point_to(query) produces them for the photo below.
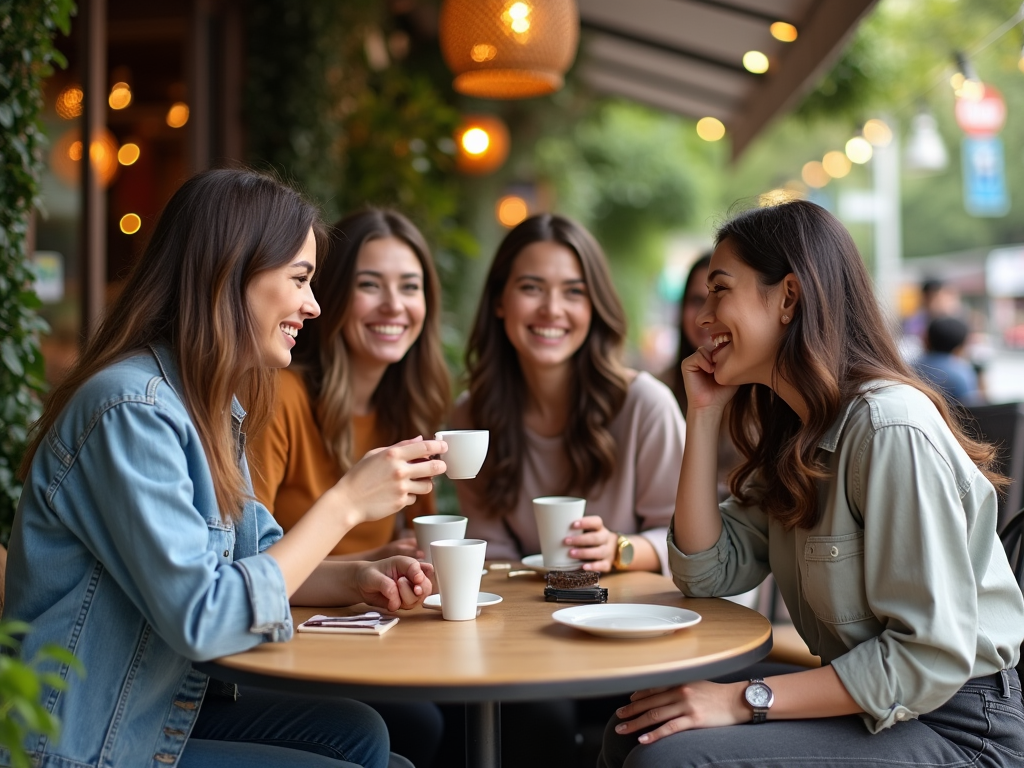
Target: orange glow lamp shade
<point x="481" y="143"/>
<point x="509" y="49"/>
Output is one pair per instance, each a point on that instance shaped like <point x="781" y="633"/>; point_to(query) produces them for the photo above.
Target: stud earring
<point x="785" y="318"/>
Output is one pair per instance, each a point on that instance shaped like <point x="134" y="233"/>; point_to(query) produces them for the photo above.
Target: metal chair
<point x="1012" y="537"/>
<point x="1002" y="425"/>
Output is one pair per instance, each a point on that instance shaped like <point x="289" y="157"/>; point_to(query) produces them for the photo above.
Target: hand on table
<point x="683" y="708"/>
<point x="397" y="582"/>
<point x="595" y="544"/>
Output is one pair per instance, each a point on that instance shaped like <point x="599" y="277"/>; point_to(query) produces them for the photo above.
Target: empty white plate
<point x="536" y="563"/>
<point x="483" y="599"/>
<point x="626" y="619"/>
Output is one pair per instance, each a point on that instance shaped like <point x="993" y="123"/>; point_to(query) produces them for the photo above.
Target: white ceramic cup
<point x="458" y="565"/>
<point x="467" y="449"/>
<point x="554" y="516"/>
<point x="430" y="528"/>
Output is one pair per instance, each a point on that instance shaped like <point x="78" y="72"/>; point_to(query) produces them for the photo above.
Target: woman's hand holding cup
<point x="595" y="545"/>
<point x="387" y="480"/>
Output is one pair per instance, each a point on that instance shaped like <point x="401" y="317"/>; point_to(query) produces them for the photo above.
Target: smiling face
<point x="281" y="300"/>
<point x="744" y="319"/>
<point x="388" y="304"/>
<point x="545" y="305"/>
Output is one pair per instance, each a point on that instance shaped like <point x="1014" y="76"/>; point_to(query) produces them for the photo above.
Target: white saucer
<point x="628" y="620"/>
<point x="483" y="599"/>
<point x="536" y="563"/>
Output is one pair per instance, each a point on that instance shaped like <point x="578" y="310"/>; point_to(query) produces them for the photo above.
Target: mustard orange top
<point x="291" y="468"/>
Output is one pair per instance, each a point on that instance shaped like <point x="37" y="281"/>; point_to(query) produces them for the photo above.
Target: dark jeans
<point x="977" y="728"/>
<point x="265" y="729"/>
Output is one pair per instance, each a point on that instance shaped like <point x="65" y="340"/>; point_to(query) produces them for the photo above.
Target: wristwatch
<point x="623" y="553"/>
<point x="760" y="698"/>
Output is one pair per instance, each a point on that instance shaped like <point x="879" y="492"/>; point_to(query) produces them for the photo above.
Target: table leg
<point x="483" y="734"/>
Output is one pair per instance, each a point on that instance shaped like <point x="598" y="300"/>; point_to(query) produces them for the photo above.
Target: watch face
<point x="758" y="695"/>
<point x="626" y="553"/>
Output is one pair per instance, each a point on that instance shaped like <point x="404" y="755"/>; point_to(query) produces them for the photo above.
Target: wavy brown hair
<point x="837" y="343"/>
<point x="220" y="230"/>
<point x="497" y="388"/>
<point x="414" y="394"/>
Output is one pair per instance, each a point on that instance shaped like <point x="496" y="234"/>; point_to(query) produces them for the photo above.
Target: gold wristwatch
<point x="623" y="554"/>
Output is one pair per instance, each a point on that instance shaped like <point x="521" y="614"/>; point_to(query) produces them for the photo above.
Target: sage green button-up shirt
<point x="902" y="586"/>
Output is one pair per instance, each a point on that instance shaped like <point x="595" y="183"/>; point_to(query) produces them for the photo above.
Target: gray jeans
<point x="978" y="727"/>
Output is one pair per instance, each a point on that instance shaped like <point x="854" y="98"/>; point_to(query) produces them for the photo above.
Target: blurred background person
<point x="944" y="364"/>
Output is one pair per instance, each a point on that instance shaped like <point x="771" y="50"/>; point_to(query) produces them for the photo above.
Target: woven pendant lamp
<point x="509" y="49"/>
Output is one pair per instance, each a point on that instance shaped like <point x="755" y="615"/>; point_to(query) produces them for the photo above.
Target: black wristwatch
<point x="760" y="698"/>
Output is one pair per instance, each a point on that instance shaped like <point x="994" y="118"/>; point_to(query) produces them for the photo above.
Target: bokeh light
<point x="128" y="154"/>
<point x="859" y="150"/>
<point x="756" y="62"/>
<point x="511" y="210"/>
<point x="836" y="164"/>
<point x="878" y="132"/>
<point x="177" y="115"/>
<point x="130" y="223"/>
<point x="120" y="96"/>
<point x="476" y="141"/>
<point x="69" y="102"/>
<point x="710" y="128"/>
<point x="782" y="31"/>
<point x="814" y="175"/>
<point x="482" y="52"/>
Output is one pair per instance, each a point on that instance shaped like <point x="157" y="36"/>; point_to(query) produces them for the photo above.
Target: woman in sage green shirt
<point x="872" y="509"/>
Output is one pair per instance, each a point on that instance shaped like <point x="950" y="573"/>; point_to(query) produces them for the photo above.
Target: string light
<point x="710" y="128"/>
<point x="783" y="32"/>
<point x="756" y="62"/>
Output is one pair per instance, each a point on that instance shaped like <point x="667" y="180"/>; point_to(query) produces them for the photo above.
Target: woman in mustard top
<point x="351" y="385"/>
<point x="369" y="367"/>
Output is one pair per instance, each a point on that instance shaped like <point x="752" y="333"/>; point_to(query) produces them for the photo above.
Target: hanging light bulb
<point x="508" y="49"/>
<point x="925" y="150"/>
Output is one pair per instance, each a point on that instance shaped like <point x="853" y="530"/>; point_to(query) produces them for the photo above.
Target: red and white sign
<point x="984" y="116"/>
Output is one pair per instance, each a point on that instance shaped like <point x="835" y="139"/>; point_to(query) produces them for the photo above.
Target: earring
<point x="785" y="319"/>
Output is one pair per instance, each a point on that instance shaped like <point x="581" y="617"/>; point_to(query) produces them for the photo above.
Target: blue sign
<point x="984" y="176"/>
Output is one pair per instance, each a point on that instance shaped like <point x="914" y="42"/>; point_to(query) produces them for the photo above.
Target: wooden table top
<point x="512" y="651"/>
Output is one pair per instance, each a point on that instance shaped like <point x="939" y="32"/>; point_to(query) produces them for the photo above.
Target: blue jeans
<point x="268" y="729"/>
<point x="976" y="728"/>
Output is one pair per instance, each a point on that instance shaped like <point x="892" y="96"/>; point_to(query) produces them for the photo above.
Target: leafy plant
<point x="21" y="688"/>
<point x="27" y="56"/>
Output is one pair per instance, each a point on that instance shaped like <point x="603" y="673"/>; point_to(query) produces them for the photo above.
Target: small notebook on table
<point x="371" y="623"/>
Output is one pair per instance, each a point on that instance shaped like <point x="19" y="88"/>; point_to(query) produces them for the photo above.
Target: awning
<point x="686" y="56"/>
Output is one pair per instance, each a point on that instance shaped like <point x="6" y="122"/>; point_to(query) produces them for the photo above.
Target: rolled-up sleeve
<point x="919" y="580"/>
<point x="171" y="559"/>
<point x="737" y="563"/>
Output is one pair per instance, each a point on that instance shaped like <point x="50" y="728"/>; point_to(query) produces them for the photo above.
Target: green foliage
<point x="22" y="685"/>
<point x="27" y="56"/>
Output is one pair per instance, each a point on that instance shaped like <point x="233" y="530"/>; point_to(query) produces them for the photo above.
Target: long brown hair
<point x="219" y="231"/>
<point x="414" y="394"/>
<point x="837" y="342"/>
<point x="698" y="272"/>
<point x="497" y="388"/>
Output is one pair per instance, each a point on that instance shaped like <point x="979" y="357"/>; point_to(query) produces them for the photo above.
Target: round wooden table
<point x="514" y="651"/>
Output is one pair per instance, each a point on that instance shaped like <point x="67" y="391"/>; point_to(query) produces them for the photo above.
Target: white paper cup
<point x="458" y="564"/>
<point x="467" y="449"/>
<point x="431" y="528"/>
<point x="554" y="516"/>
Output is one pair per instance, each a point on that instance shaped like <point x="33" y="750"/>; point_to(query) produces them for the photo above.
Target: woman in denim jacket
<point x="864" y="498"/>
<point x="138" y="545"/>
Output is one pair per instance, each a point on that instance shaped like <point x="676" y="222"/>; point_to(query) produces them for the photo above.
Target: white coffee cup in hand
<point x="467" y="449"/>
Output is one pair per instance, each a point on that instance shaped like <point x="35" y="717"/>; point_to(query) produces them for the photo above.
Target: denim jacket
<point x="902" y="584"/>
<point x="120" y="555"/>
